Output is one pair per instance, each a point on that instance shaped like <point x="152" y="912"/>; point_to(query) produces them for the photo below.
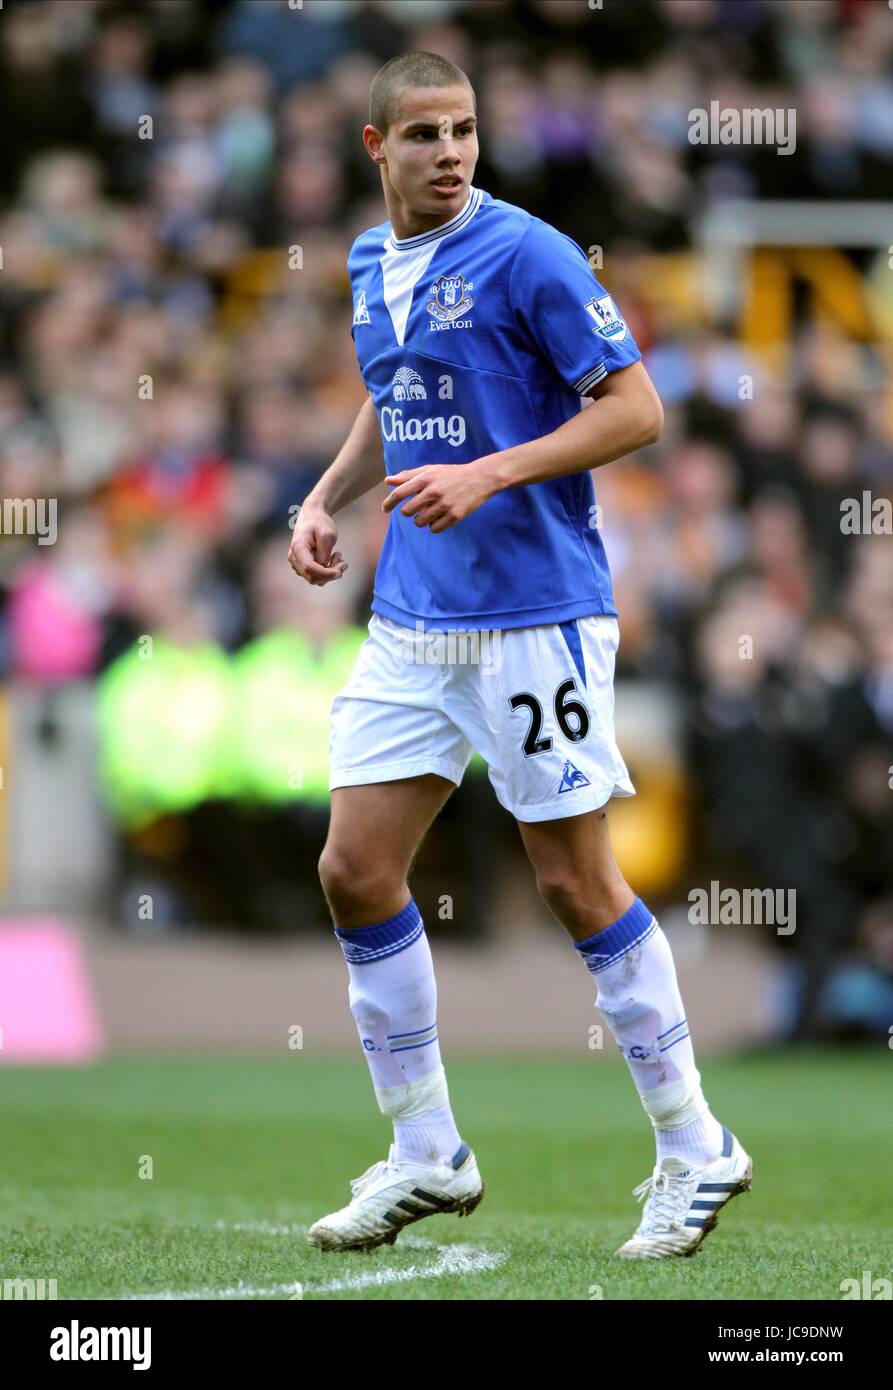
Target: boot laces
<point x="667" y="1201"/>
<point x="359" y="1185"/>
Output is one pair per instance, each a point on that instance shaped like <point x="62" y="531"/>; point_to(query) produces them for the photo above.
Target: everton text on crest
<point x="450" y="301"/>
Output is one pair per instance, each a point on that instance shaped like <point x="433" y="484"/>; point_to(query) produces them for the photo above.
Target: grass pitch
<point x="246" y="1153"/>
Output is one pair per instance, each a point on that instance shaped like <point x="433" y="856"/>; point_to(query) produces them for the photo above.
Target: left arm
<point x="626" y="415"/>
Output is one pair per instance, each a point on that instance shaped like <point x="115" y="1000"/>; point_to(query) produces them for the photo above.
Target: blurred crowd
<point x="180" y="187"/>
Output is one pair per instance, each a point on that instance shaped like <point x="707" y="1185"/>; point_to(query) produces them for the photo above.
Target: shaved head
<point x="405" y="71"/>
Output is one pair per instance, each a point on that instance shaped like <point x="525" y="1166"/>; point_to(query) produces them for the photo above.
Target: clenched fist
<point x="311" y="553"/>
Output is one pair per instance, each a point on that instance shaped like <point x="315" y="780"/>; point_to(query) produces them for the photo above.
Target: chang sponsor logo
<point x="448" y="427"/>
<point x="408" y="385"/>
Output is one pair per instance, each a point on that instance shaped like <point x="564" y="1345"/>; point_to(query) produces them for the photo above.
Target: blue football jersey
<point x="472" y="338"/>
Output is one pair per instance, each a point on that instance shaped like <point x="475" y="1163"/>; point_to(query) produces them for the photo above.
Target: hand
<point x="311" y="553"/>
<point x="442" y="493"/>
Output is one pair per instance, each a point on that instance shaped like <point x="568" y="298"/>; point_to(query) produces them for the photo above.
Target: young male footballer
<point x="478" y="330"/>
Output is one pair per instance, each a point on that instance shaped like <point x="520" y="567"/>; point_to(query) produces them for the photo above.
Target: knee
<point x="563" y="891"/>
<point x="583" y="901"/>
<point x="356" y="882"/>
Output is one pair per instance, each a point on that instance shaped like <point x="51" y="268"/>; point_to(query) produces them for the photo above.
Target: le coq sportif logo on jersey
<point x="360" y="311"/>
<point x="409" y="386"/>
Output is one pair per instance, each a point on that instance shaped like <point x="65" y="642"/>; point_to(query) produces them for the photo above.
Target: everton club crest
<point x="450" y="298"/>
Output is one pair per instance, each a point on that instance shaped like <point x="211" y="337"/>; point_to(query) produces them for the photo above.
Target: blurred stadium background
<point x="176" y="369"/>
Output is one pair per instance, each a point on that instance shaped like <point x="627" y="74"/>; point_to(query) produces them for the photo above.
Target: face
<point x="429" y="153"/>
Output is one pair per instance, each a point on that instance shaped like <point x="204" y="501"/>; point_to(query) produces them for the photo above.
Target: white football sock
<point x="393" y="998"/>
<point x="638" y="996"/>
<point x="699" y="1141"/>
<point x="430" y="1138"/>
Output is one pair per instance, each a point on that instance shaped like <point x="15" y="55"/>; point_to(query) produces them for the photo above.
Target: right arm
<point x="357" y="468"/>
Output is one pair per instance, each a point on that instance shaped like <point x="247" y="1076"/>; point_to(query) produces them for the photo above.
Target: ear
<point x="374" y="142"/>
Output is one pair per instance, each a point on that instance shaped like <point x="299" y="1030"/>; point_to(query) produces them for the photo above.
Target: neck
<point x="405" y="222"/>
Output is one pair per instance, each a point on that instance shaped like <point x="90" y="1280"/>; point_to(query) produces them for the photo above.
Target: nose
<point x="447" y="152"/>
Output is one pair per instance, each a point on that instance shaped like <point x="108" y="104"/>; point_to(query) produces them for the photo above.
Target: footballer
<point x="479" y="329"/>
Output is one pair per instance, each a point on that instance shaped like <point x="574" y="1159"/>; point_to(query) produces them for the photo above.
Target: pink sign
<point x="47" y="1009"/>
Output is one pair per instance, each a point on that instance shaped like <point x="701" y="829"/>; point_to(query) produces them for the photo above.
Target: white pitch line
<point x="240" y="1291"/>
<point x="452" y="1259"/>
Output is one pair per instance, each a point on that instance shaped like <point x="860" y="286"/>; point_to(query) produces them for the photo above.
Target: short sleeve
<point x="571" y="319"/>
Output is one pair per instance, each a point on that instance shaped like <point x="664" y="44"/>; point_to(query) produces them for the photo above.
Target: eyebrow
<point x="435" y="125"/>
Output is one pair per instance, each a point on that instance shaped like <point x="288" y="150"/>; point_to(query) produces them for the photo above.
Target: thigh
<point x="385" y="822"/>
<point x="549" y="710"/>
<point x="575" y="849"/>
<point x="389" y="722"/>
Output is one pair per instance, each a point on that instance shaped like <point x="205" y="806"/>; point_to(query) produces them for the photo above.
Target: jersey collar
<point x="473" y="202"/>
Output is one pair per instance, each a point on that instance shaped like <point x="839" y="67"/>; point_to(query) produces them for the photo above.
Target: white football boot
<point x="391" y="1195"/>
<point x="684" y="1202"/>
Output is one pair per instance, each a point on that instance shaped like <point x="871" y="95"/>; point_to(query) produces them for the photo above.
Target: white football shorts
<point x="537" y="703"/>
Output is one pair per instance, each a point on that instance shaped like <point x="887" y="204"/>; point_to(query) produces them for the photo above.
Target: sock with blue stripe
<point x="393" y="998"/>
<point x="638" y="996"/>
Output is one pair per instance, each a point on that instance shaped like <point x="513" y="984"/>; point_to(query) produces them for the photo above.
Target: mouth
<point x="447" y="183"/>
